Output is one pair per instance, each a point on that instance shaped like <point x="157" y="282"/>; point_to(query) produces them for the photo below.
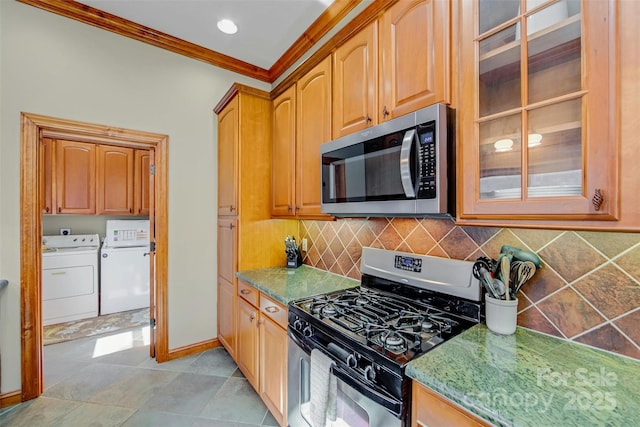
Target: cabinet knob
<point x="385" y="112"/>
<point x="252" y="318"/>
<point x="231" y="226"/>
<point x="231" y="209"/>
<point x="597" y="200"/>
<point x="289" y="208"/>
<point x="130" y="210"/>
<point x="59" y="209"/>
<point x="271" y="309"/>
<point x="140" y="210"/>
<point x="368" y="118"/>
<point x="46" y="209"/>
<point x="245" y="291"/>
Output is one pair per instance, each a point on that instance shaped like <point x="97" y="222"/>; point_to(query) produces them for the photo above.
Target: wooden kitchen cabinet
<point x="228" y="134"/>
<point x="114" y="180"/>
<point x="247" y="236"/>
<point x="538" y="112"/>
<point x="313" y="128"/>
<point x="227" y="266"/>
<point x="141" y="200"/>
<point x="273" y="357"/>
<point x="262" y="347"/>
<point x="283" y="180"/>
<point x="247" y="357"/>
<point x="355" y="82"/>
<point x="394" y="66"/>
<point x="75" y="177"/>
<point x="430" y="409"/>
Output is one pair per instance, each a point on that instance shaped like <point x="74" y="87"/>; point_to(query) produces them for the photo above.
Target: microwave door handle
<point x="405" y="167"/>
<point x="332" y="181"/>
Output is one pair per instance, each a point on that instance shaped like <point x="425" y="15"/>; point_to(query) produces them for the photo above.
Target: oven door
<point x="353" y="408"/>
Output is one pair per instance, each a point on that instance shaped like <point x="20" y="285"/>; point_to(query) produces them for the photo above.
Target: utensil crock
<point x="501" y="315"/>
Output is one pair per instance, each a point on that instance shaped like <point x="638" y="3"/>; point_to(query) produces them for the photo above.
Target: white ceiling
<point x="266" y="28"/>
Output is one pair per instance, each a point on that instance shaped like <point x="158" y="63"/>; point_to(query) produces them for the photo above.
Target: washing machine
<point x="124" y="266"/>
<point x="70" y="289"/>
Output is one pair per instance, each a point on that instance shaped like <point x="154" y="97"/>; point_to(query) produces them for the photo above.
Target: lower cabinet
<point x="430" y="409"/>
<point x="262" y="347"/>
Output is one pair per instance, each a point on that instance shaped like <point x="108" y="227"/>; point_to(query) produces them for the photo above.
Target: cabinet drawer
<point x="248" y="293"/>
<point x="274" y="310"/>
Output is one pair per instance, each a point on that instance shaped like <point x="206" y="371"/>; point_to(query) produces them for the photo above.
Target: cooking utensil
<point x="521" y="255"/>
<point x="481" y="273"/>
<point x="525" y="271"/>
<point x="500" y="287"/>
<point x="505" y="264"/>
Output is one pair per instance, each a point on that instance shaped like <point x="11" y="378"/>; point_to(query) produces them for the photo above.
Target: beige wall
<point x="57" y="67"/>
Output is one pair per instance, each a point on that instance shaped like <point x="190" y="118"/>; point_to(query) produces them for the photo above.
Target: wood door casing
<point x="313" y="127"/>
<point x="47" y="181"/>
<point x="414" y="59"/>
<point x="114" y="179"/>
<point x="283" y="171"/>
<point x="355" y="83"/>
<point x="75" y="177"/>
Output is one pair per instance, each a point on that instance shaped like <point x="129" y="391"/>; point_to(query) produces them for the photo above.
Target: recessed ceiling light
<point x="227" y="26"/>
<point x="503" y="145"/>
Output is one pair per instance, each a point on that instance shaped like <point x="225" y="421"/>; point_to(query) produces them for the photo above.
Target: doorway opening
<point x="33" y="129"/>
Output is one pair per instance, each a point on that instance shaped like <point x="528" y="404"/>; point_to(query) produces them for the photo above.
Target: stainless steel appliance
<point x="405" y="306"/>
<point x="403" y="167"/>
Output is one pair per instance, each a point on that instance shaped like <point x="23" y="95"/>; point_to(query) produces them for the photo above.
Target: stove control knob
<point x="369" y="373"/>
<point x="351" y="361"/>
<point x="307" y="331"/>
<point x="297" y="325"/>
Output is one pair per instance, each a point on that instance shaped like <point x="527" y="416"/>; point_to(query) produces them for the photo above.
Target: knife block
<point x="294" y="259"/>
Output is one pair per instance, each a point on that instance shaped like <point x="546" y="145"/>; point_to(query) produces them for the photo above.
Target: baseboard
<point x="188" y="350"/>
<point x="10" y="399"/>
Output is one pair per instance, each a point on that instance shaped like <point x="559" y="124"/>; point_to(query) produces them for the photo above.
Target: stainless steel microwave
<point x="402" y="167"/>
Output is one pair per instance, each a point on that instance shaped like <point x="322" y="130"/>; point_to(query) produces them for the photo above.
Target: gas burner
<point x="329" y="310"/>
<point x="428" y="326"/>
<point x="392" y="340"/>
<point x="361" y="300"/>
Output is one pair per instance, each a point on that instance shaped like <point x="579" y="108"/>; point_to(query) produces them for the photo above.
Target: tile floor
<point x="109" y="380"/>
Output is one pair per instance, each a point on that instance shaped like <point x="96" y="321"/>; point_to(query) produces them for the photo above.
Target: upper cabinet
<point x="228" y="159"/>
<point x="395" y="65"/>
<point x="283" y="182"/>
<point x="313" y="127"/>
<point x="75" y="177"/>
<point x="114" y="180"/>
<point x="84" y="178"/>
<point x="538" y="110"/>
<point x="414" y="56"/>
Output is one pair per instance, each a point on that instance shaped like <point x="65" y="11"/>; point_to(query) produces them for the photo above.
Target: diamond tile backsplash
<point x="587" y="291"/>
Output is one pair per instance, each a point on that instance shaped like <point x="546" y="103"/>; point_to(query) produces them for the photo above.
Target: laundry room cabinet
<point x="83" y="178"/>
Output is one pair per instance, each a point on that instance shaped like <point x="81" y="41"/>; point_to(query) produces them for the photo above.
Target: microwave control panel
<point x="427" y="161"/>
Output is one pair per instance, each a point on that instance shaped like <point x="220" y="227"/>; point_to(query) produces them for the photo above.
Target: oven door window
<point x="367" y="171"/>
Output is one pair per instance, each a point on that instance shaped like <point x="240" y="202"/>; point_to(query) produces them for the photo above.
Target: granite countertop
<point x="532" y="379"/>
<point x="289" y="284"/>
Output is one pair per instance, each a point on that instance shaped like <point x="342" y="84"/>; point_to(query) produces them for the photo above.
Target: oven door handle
<point x="385" y="400"/>
<point x="405" y="168"/>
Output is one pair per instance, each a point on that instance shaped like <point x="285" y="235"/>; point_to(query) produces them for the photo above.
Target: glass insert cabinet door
<point x="538" y="115"/>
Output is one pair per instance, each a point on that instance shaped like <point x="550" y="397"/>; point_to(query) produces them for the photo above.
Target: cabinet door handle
<point x="368" y="119"/>
<point x="58" y="273"/>
<point x="140" y="210"/>
<point x="289" y="208"/>
<point x="46" y="209"/>
<point x="252" y="317"/>
<point x="231" y="226"/>
<point x="130" y="210"/>
<point x="245" y="291"/>
<point x="59" y="209"/>
<point x="231" y="209"/>
<point x="598" y="199"/>
<point x="259" y="322"/>
<point x="385" y="112"/>
<point x="271" y="309"/>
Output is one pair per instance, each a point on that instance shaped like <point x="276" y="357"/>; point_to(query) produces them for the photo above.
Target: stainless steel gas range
<point x="405" y="306"/>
